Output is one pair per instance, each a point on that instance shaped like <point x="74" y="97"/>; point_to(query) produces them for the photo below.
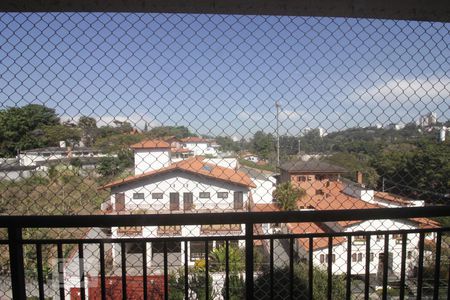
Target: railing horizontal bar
<point x="416" y="10"/>
<point x="234" y="237"/>
<point x="224" y="218"/>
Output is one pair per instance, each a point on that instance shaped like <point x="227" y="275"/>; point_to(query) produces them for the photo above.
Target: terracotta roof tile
<point x="193" y="165"/>
<point x="150" y="144"/>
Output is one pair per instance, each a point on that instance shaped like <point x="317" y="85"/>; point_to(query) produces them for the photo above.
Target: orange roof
<point x="393" y="198"/>
<point x="150" y="144"/>
<point x="193" y="165"/>
<point x="194" y="139"/>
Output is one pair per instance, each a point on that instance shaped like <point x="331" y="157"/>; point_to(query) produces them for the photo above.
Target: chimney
<point x="359" y="177"/>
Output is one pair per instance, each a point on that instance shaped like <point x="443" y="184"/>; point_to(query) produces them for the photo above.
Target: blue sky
<point x="221" y="74"/>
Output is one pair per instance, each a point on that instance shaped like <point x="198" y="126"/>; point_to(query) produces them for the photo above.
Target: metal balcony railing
<point x="418" y="274"/>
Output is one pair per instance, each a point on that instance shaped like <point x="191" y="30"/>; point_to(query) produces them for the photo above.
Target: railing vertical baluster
<point x="420" y="266"/>
<point x="367" y="270"/>
<point x="437" y="266"/>
<point x="385" y="266"/>
<point x="102" y="271"/>
<point x="310" y="269"/>
<point x="166" y="272"/>
<point x="124" y="269"/>
<point x="448" y="282"/>
<point x="62" y="293"/>
<point x="403" y="267"/>
<point x="291" y="268"/>
<point x="227" y="270"/>
<point x="271" y="268"/>
<point x="16" y="263"/>
<point x="330" y="269"/>
<point x="249" y="261"/>
<point x="144" y="270"/>
<point x="40" y="271"/>
<point x="81" y="271"/>
<point x="348" y="282"/>
<point x="206" y="270"/>
<point x="186" y="271"/>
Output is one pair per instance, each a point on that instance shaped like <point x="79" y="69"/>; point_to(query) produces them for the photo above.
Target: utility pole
<point x="382" y="186"/>
<point x="278" y="105"/>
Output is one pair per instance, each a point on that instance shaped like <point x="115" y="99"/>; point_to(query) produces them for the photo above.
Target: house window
<point x="172" y="247"/>
<point x="138" y="196"/>
<point x="222" y="195"/>
<point x="397" y="236"/>
<point x="188" y="201"/>
<point x="174" y="201"/>
<point x="409" y="254"/>
<point x="198" y="249"/>
<point x="359" y="239"/>
<point x="157" y="195"/>
<point x="301" y="178"/>
<point x="134" y="248"/>
<point x="371" y="256"/>
<point x="204" y="195"/>
<point x="120" y="202"/>
<point x="333" y="257"/>
<point x="360" y="256"/>
<point x="354" y="257"/>
<point x="380" y="236"/>
<point x="322" y="258"/>
<point x="238" y="200"/>
<point x="319" y="192"/>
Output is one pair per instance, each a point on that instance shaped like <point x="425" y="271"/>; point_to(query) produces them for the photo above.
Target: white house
<point x="326" y="190"/>
<point x="200" y="146"/>
<point x="165" y="187"/>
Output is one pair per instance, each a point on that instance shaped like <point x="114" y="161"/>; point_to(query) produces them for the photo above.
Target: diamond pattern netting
<point x="114" y="113"/>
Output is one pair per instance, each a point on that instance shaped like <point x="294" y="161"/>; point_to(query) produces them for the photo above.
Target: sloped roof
<point x="311" y="166"/>
<point x="193" y="165"/>
<point x="393" y="198"/>
<point x="150" y="144"/>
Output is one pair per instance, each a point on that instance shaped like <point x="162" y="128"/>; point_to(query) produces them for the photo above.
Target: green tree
<point x="227" y="144"/>
<point x="287" y="195"/>
<point x="21" y="128"/>
<point x="109" y="166"/>
<point x="281" y="284"/>
<point x="235" y="259"/>
<point x="53" y="134"/>
<point x="236" y="287"/>
<point x="263" y="144"/>
<point x="356" y="162"/>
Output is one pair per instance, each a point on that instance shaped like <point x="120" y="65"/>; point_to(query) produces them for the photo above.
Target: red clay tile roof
<point x="194" y="165"/>
<point x="393" y="198"/>
<point x="150" y="144"/>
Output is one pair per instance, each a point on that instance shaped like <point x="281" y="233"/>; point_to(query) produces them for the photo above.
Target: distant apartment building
<point x="429" y="119"/>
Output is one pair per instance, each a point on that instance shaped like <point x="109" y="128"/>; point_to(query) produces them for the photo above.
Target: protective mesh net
<point x="174" y="113"/>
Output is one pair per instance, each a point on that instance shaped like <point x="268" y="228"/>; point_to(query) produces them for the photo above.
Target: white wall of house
<point x="146" y="160"/>
<point x="30" y="159"/>
<point x="179" y="182"/>
<point x="376" y="248"/>
<point x="262" y="194"/>
<point x="202" y="148"/>
<point x="230" y="163"/>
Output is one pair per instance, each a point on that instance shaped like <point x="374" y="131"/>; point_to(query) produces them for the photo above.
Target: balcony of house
<point x="154" y="257"/>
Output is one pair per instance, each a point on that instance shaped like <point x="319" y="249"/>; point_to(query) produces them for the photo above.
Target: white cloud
<point x="405" y="90"/>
